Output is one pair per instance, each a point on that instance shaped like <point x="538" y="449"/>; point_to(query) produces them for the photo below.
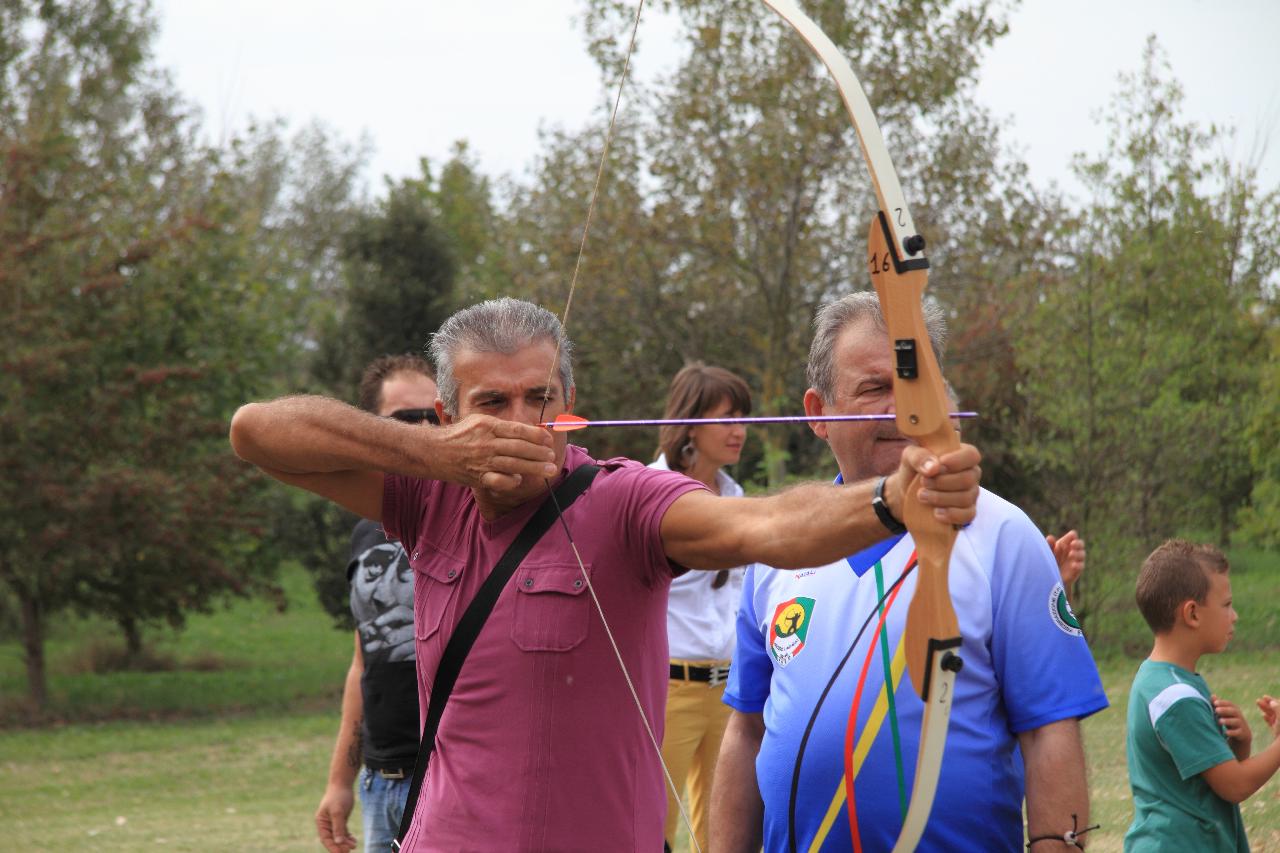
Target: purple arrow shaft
<point x="779" y="419"/>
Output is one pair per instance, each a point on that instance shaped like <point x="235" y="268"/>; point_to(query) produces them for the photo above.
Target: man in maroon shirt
<point x="541" y="746"/>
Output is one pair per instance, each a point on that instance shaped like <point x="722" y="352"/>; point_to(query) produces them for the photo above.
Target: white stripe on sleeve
<point x="1170" y="695"/>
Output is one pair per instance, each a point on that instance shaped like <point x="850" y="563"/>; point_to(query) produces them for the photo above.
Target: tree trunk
<point x="33" y="646"/>
<point x="132" y="638"/>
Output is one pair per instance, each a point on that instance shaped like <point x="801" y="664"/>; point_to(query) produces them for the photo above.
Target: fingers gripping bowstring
<point x="555" y="362"/>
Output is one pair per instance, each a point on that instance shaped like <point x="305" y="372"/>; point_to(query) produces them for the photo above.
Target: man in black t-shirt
<point x="378" y="737"/>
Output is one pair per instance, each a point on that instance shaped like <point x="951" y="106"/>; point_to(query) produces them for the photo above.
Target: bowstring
<point x="555" y="362"/>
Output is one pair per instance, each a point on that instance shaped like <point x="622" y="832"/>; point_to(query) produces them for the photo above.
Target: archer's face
<point x="513" y="388"/>
<point x="863" y="386"/>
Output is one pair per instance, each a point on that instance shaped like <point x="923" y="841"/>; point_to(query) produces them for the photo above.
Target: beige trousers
<point x="695" y="723"/>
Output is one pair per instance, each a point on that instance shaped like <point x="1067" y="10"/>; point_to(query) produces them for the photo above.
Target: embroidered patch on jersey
<point x="1061" y="613"/>
<point x="789" y="628"/>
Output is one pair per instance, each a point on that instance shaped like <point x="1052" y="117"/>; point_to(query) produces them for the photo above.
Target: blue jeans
<point x="381" y="804"/>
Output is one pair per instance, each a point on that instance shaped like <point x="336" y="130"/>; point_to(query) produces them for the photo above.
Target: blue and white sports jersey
<point x="1026" y="664"/>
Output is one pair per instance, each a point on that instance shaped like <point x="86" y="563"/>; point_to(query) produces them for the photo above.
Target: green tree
<point x="1143" y="357"/>
<point x="463" y="200"/>
<point x="137" y="313"/>
<point x="400" y="258"/>
<point x="1260" y="520"/>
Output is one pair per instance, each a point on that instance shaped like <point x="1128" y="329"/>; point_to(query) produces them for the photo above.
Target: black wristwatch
<point x="882" y="510"/>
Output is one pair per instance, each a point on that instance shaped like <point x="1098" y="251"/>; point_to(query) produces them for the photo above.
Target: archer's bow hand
<point x="949" y="483"/>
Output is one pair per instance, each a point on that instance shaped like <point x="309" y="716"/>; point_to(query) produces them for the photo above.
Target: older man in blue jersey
<point x="820" y="751"/>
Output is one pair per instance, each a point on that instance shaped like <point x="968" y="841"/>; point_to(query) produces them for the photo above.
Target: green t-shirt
<point x="1173" y="737"/>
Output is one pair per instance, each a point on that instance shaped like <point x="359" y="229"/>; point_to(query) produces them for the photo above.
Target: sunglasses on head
<point x="416" y="416"/>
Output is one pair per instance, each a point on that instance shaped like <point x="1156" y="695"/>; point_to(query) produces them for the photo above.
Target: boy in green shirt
<point x="1189" y="751"/>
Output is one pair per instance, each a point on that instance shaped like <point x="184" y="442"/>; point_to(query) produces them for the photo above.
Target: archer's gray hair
<point x="497" y="325"/>
<point x="833" y="317"/>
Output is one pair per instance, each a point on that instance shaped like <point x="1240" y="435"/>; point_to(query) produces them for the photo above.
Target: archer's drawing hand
<point x="949" y="483"/>
<point x="331" y="820"/>
<point x="485" y="452"/>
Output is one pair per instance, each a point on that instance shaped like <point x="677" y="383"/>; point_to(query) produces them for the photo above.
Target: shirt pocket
<point x="436" y="586"/>
<point x="552" y="611"/>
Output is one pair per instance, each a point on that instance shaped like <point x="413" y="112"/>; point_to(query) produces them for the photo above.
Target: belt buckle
<point x="391" y="774"/>
<point x="717" y="675"/>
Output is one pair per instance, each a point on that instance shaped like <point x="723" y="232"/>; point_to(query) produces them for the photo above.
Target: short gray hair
<point x="833" y="317"/>
<point x="497" y="325"/>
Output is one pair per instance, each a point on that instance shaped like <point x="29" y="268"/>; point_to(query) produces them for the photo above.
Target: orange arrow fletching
<point x="568" y="423"/>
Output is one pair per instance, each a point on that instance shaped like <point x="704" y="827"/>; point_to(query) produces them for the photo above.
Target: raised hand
<point x="1270" y="708"/>
<point x="1239" y="736"/>
<point x="1068" y="550"/>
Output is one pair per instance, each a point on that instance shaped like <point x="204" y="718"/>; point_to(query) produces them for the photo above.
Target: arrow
<point x="568" y="422"/>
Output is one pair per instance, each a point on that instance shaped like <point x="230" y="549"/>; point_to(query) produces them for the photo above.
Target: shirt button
<point x="453" y="572"/>
<point x="528" y="583"/>
<point x="577" y="584"/>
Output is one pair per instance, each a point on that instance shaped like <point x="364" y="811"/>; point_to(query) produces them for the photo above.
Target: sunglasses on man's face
<point x="416" y="416"/>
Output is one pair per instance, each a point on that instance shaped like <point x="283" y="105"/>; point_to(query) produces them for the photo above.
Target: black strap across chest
<point x="473" y="619"/>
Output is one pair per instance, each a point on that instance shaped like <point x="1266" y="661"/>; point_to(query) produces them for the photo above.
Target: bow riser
<point x="921" y="408"/>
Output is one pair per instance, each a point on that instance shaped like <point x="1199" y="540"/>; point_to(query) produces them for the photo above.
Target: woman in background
<point x="703" y="605"/>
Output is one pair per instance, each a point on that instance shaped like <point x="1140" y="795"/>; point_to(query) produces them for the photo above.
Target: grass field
<point x="245" y="783"/>
<point x="235" y="758"/>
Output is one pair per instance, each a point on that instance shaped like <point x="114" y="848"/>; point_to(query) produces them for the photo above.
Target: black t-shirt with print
<point x="382" y="604"/>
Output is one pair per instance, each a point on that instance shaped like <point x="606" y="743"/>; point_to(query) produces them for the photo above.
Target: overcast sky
<point x="415" y="76"/>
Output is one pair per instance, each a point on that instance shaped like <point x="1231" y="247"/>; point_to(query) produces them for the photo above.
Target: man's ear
<point x="815" y="406"/>
<point x="571" y="398"/>
<point x="445" y="420"/>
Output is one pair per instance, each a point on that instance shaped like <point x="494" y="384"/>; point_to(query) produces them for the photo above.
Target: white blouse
<point x="700" y="620"/>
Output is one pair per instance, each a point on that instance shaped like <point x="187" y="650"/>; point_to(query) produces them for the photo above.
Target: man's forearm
<point x="347" y="756"/>
<point x="317" y="435"/>
<point x="815" y="524"/>
<point x="806" y="528"/>
<point x="737" y="813"/>
<point x="1057" y="785"/>
<point x="1237" y="781"/>
<point x="807" y="525"/>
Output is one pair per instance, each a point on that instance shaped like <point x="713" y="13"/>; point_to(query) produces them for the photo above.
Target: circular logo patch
<point x="1062" y="614"/>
